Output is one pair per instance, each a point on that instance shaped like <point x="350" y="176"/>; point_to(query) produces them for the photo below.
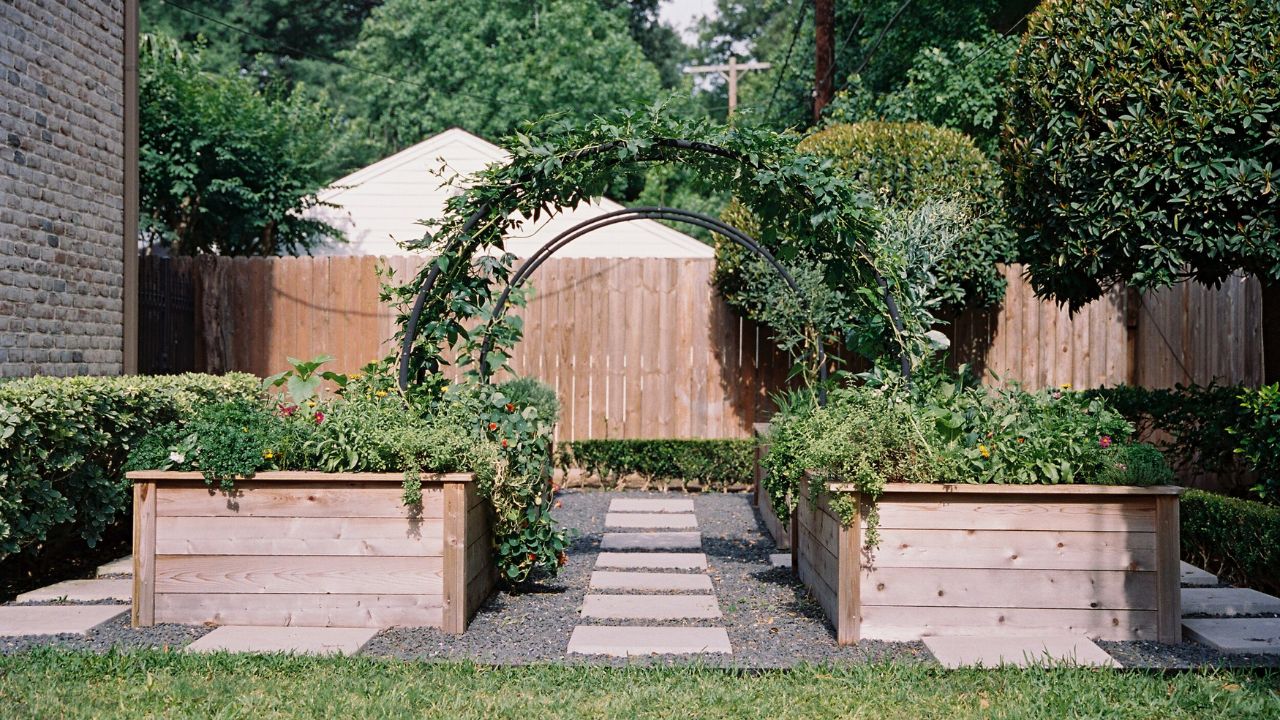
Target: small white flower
<point x="177" y="457"/>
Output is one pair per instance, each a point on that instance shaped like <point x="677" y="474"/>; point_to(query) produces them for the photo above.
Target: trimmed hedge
<point x="712" y="464"/>
<point x="64" y="442"/>
<point x="1239" y="540"/>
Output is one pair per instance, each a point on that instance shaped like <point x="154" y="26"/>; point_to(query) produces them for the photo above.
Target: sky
<point x="681" y="13"/>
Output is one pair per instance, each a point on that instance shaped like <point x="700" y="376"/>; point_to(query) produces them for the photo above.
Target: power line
<point x="880" y="38"/>
<point x="795" y="33"/>
<point x="995" y="41"/>
<point x="334" y="61"/>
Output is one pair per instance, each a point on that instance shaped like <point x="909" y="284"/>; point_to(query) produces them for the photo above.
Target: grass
<point x="57" y="683"/>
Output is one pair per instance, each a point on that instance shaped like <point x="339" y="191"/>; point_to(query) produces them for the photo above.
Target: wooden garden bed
<point x="781" y="532"/>
<point x="997" y="560"/>
<point x="309" y="548"/>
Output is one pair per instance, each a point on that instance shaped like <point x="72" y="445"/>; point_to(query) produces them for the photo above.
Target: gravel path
<point x="769" y="617"/>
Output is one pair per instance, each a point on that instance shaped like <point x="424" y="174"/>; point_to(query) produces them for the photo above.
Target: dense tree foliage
<point x="1142" y="144"/>
<point x="224" y="166"/>
<point x="422" y="67"/>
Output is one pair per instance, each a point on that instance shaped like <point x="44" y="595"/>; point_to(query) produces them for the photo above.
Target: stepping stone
<point x="632" y="641"/>
<point x="652" y="541"/>
<point x="650" y="506"/>
<point x="780" y="560"/>
<point x="1227" y="602"/>
<point x="1192" y="576"/>
<point x="55" y="619"/>
<point x="650" y="607"/>
<point x="123" y="566"/>
<point x="95" y="590"/>
<point x="649" y="581"/>
<point x="655" y="561"/>
<point x="986" y="651"/>
<point x="1240" y="635"/>
<point x="302" y="640"/>
<point x="649" y="520"/>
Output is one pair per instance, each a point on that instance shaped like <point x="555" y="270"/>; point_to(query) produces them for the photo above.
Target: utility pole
<point x="730" y="73"/>
<point x="824" y="20"/>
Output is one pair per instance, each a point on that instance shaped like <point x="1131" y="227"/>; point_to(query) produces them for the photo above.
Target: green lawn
<point x="47" y="683"/>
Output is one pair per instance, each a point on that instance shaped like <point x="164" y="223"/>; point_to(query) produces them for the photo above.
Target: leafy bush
<point x="1191" y="424"/>
<point x="1239" y="540"/>
<point x="1259" y="437"/>
<point x="1141" y="144"/>
<point x="904" y="166"/>
<point x="712" y="464"/>
<point x="64" y="442"/>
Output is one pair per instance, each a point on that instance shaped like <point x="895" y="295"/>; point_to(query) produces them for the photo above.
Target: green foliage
<point x="961" y="87"/>
<point x="304" y="378"/>
<point x="1190" y="424"/>
<point x="64" y="442"/>
<point x="1259" y="437"/>
<point x="1142" y="143"/>
<point x="1134" y="464"/>
<point x="225" y="167"/>
<point x="906" y="165"/>
<point x="490" y="66"/>
<point x="1238" y="540"/>
<point x="712" y="464"/>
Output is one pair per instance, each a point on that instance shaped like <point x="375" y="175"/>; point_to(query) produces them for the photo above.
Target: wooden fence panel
<point x="647" y="348"/>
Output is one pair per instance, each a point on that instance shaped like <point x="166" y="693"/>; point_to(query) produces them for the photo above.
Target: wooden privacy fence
<point x="645" y="347"/>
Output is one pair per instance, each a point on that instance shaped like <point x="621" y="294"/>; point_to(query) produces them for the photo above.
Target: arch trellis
<point x="463" y="242"/>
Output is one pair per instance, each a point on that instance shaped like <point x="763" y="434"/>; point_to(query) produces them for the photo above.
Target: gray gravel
<point x="768" y="615"/>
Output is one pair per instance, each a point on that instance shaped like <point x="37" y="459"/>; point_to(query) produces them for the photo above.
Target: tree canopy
<point x="420" y="67"/>
<point x="1142" y="144"/>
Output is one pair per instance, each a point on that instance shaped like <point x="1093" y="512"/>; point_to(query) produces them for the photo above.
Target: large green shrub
<point x="1239" y="540"/>
<point x="904" y="166"/>
<point x="1258" y="433"/>
<point x="1142" y="144"/>
<point x="712" y="464"/>
<point x="64" y="442"/>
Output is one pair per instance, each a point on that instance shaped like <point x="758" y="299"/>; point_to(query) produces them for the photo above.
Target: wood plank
<point x="947" y="587"/>
<point x="300" y="476"/>
<point x="933" y="512"/>
<point x="312" y="610"/>
<point x="1168" y="585"/>
<point x="374" y="537"/>
<point x="144" y="555"/>
<point x="906" y="623"/>
<point x="455" y="568"/>
<point x="318" y="500"/>
<point x="213" y="574"/>
<point x="848" y="620"/>
<point x="479" y="588"/>
<point x="1031" y="491"/>
<point x="1015" y="549"/>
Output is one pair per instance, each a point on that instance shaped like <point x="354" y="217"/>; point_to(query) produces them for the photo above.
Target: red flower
<point x="511" y="408"/>
<point x="319" y="417"/>
<point x="1105" y="441"/>
<point x="532" y="557"/>
<point x="504" y="442"/>
<point x="288" y="410"/>
<point x="493" y="426"/>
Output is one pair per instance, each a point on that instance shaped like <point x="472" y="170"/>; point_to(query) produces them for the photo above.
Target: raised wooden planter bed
<point x="309" y="548"/>
<point x="998" y="560"/>
<point x="782" y="533"/>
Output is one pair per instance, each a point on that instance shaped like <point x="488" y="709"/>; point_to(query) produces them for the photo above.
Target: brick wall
<point x="61" y="186"/>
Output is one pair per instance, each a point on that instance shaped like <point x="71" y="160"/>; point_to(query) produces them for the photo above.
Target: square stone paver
<point x="650" y="520"/>
<point x="1227" y="602"/>
<point x="653" y="560"/>
<point x="649" y="581"/>
<point x="780" y="560"/>
<point x="650" y="607"/>
<point x="1238" y="635"/>
<point x="95" y="590"/>
<point x="629" y="641"/>
<point x="302" y="640"/>
<point x="651" y="541"/>
<point x="1192" y="576"/>
<point x="123" y="566"/>
<point x="55" y="619"/>
<point x="986" y="651"/>
<point x="662" y="505"/>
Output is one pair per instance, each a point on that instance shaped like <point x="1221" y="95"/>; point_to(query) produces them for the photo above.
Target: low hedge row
<point x="711" y="464"/>
<point x="1239" y="540"/>
<point x="64" y="442"/>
